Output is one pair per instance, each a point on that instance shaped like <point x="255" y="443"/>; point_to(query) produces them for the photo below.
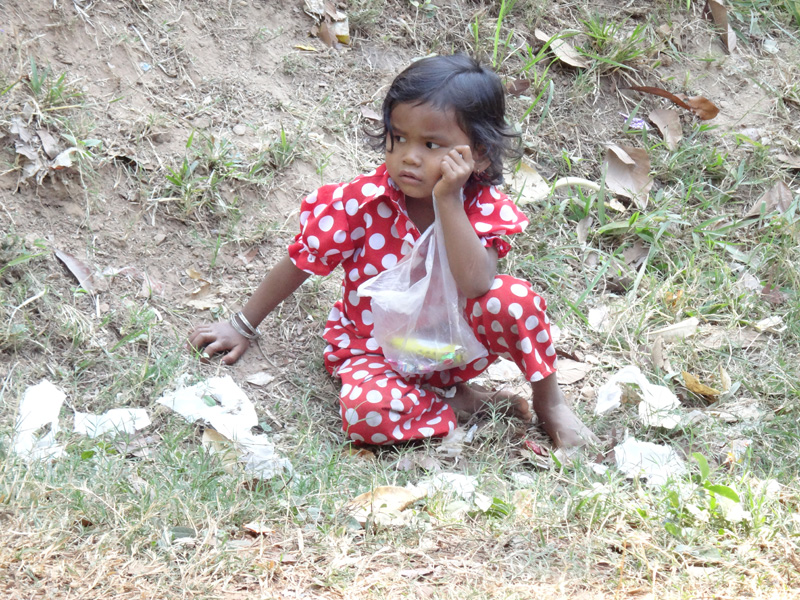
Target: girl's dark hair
<point x="475" y="93"/>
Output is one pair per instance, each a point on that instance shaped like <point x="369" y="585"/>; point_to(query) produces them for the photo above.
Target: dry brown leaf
<point x="569" y="371"/>
<point x="704" y="108"/>
<point x="635" y="255"/>
<point x="195" y="274"/>
<point x="386" y="500"/>
<point x="563" y="51"/>
<point x="716" y="11"/>
<point x="529" y="185"/>
<point x="218" y="445"/>
<point x="258" y="528"/>
<point x="657" y="355"/>
<point x="205" y="303"/>
<point x="669" y="124"/>
<point x="247" y="257"/>
<point x="582" y="229"/>
<point x="49" y="143"/>
<point x="693" y="384"/>
<point x="628" y="173"/>
<point x="326" y="34"/>
<point x="725" y="379"/>
<point x="79" y="270"/>
<point x="778" y="197"/>
<point x="678" y="331"/>
<point x="739" y="338"/>
<point x="773" y="295"/>
<point x="371" y="114"/>
<point x="359" y="453"/>
<point x="306" y="48"/>
<point x="517" y="87"/>
<point x="793" y="162"/>
<point x="700" y="106"/>
<point x="19" y="128"/>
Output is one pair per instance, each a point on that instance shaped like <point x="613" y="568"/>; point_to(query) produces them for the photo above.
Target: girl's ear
<point x="482" y="161"/>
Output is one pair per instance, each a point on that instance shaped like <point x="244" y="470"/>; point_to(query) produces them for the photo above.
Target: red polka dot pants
<point x="379" y="406"/>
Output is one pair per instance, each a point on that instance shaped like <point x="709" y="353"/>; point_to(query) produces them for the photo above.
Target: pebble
<point x="239" y="129"/>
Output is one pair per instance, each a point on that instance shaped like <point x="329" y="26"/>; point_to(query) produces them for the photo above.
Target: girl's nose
<point x="411" y="157"/>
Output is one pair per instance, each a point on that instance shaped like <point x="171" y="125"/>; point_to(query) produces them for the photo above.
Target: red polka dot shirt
<point x="363" y="226"/>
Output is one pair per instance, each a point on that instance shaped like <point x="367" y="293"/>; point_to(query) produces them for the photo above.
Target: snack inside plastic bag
<point x="418" y="312"/>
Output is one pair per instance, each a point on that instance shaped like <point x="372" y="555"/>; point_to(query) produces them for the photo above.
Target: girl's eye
<point x="399" y="139"/>
<point x="432" y="145"/>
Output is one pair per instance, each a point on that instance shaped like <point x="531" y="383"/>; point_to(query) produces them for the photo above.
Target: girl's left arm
<point x="473" y="266"/>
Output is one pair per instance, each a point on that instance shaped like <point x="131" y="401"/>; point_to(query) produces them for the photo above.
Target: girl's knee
<point x="509" y="301"/>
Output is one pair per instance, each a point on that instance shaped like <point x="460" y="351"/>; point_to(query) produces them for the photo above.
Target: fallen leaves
<point x="38" y="151"/>
<point x="693" y="384"/>
<point x="332" y="24"/>
<point x="669" y="124"/>
<point x="570" y="371"/>
<point x="628" y="173"/>
<point x="517" y="87"/>
<point x="529" y="185"/>
<point x="79" y="270"/>
<point x="562" y="49"/>
<point x="777" y="198"/>
<point x="699" y="105"/>
<point x="715" y="10"/>
<point x="382" y="505"/>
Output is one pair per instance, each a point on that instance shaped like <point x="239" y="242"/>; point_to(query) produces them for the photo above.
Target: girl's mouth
<point x="408" y="176"/>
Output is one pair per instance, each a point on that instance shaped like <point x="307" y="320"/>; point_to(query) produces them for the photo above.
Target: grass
<point x="101" y="521"/>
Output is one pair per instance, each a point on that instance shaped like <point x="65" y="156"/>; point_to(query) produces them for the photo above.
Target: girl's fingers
<point x="462" y="152"/>
<point x="233" y="355"/>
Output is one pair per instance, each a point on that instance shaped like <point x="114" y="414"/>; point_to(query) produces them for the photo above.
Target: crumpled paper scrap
<point x="463" y="486"/>
<point x="220" y="402"/>
<point x="116" y="420"/>
<point x="655" y="462"/>
<point x="659" y="404"/>
<point x="40" y="406"/>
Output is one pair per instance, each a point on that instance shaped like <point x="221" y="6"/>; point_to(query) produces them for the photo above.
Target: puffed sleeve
<point x="492" y="215"/>
<point x="324" y="239"/>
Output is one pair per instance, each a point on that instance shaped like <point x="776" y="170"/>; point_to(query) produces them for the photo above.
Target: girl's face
<point x="422" y="136"/>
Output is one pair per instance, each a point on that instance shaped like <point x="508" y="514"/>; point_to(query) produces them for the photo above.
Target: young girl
<point x="444" y="135"/>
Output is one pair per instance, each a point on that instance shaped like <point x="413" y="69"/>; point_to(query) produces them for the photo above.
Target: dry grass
<point x="98" y="523"/>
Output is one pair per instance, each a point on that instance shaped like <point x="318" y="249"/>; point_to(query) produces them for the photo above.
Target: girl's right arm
<point x="279" y="284"/>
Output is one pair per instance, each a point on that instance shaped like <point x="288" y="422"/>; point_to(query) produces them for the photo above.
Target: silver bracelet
<point x="240" y="330"/>
<point x="247" y="325"/>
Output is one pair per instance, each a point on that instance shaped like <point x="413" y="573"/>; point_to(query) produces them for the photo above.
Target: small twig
<point x="28" y="301"/>
<point x="5" y="210"/>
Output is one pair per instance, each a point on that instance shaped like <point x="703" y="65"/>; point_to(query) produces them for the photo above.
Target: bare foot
<point x="559" y="422"/>
<point x="469" y="399"/>
<point x="564" y="427"/>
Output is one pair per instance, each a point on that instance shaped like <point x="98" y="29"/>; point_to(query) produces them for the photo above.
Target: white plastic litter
<point x="223" y="404"/>
<point x="654" y="462"/>
<point x="39" y="408"/>
<point x="503" y="370"/>
<point x="459" y="484"/>
<point x="658" y="408"/>
<point x="116" y="420"/>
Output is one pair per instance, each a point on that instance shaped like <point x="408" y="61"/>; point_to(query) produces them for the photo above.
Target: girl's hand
<point x="217" y="338"/>
<point x="457" y="165"/>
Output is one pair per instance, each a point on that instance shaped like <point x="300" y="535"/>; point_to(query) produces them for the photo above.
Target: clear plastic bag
<point x="418" y="312"/>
